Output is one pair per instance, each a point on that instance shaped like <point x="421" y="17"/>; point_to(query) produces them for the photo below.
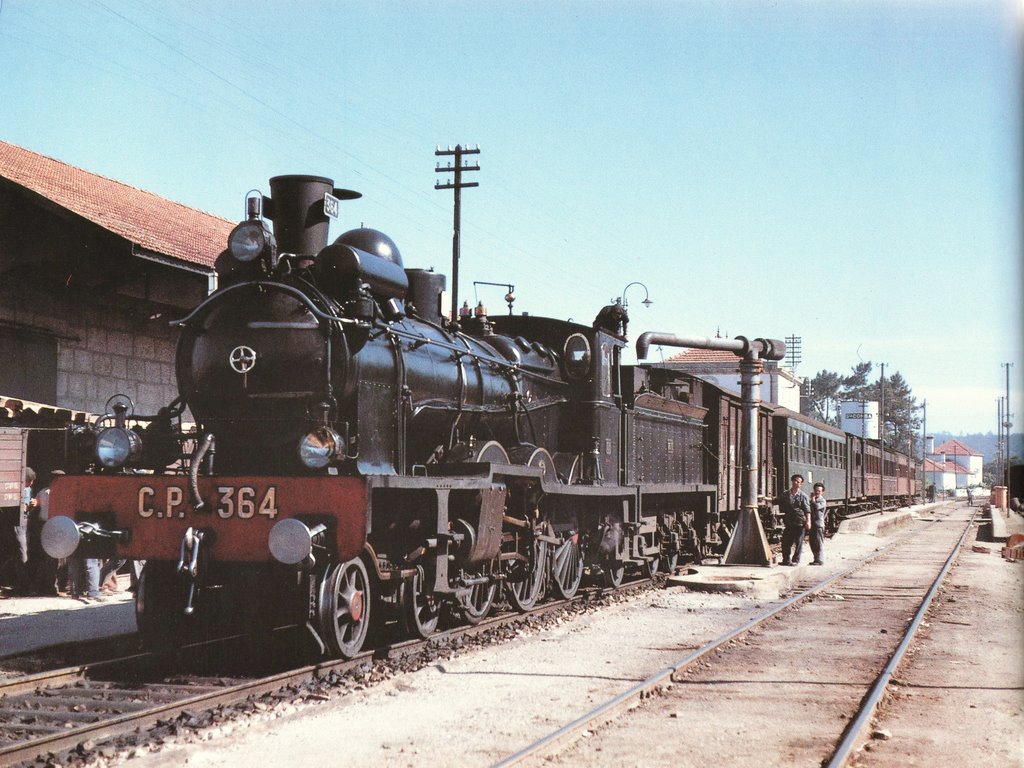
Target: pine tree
<point x="823" y="404"/>
<point x="900" y="418"/>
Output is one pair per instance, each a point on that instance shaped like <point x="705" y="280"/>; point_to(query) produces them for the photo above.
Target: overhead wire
<point x="423" y="205"/>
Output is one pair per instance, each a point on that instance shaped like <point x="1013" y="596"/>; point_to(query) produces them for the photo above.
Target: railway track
<point x="84" y="707"/>
<point x="797" y="684"/>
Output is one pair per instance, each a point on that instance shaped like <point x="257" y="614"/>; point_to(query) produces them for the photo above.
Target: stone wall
<point x="101" y="349"/>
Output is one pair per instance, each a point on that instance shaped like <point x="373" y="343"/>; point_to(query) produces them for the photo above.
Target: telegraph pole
<point x="458" y="184"/>
<point x="1007" y="424"/>
<point x="793" y="356"/>
<point x="924" y="442"/>
<point x="881" y="441"/>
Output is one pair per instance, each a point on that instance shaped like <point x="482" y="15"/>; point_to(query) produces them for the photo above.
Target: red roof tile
<point x="152" y="222"/>
<point x="931" y="465"/>
<point x="704" y="356"/>
<point x="955" y="447"/>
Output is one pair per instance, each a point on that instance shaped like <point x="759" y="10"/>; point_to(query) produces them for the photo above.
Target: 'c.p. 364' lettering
<point x="244" y="502"/>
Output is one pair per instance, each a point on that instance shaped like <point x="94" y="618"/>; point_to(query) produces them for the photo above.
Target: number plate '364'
<point x="242" y="501"/>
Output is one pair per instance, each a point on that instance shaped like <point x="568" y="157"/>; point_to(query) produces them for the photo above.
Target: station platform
<point x="854" y="539"/>
<point x="33" y="623"/>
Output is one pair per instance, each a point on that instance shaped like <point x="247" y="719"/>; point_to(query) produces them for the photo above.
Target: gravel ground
<point x="483" y="704"/>
<point x="479" y="707"/>
<point x="961" y="700"/>
<point x="962" y="691"/>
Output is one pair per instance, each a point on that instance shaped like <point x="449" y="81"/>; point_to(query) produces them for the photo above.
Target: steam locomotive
<point x="358" y="456"/>
<point x="356" y="452"/>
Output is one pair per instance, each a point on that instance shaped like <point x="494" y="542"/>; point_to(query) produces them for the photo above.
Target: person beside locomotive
<point x="816" y="537"/>
<point x="796" y="514"/>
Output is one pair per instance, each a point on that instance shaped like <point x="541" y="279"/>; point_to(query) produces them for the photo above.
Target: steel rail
<point x="19" y="752"/>
<point x="604" y="712"/>
<point x="856" y="726"/>
<point x="54" y="677"/>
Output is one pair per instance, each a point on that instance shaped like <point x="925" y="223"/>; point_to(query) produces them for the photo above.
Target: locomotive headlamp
<point x="60" y="537"/>
<point x="291" y="540"/>
<point x="118" y="446"/>
<point x="319" y="447"/>
<point x="250" y="240"/>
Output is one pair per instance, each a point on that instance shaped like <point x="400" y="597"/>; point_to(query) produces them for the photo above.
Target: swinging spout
<point x="766" y="349"/>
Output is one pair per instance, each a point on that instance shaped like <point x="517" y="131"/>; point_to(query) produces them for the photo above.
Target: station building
<point x="91" y="273"/>
<point x="779" y="385"/>
<point x="956" y="458"/>
<point x="946" y="476"/>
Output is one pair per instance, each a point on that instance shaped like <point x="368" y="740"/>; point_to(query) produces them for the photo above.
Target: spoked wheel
<point x="612" y="571"/>
<point x="345" y="607"/>
<point x="420" y="609"/>
<point x="525" y="579"/>
<point x="652" y="566"/>
<point x="671" y="561"/>
<point x="491" y="452"/>
<point x="567" y="567"/>
<point x="475" y="606"/>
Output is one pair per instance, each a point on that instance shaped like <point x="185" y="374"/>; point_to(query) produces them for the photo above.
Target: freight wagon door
<point x="13" y="443"/>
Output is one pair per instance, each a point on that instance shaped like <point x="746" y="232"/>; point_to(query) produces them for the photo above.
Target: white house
<point x="963" y="455"/>
<point x="778" y="385"/>
<point x="944" y="475"/>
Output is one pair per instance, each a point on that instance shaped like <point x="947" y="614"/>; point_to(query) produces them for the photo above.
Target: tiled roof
<point x="705" y="356"/>
<point x="152" y="222"/>
<point x="955" y="448"/>
<point x="930" y="465"/>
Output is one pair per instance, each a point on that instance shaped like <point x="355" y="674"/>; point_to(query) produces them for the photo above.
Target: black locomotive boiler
<point x="357" y="456"/>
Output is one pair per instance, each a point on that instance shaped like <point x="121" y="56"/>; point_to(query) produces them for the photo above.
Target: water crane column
<point x="748" y="544"/>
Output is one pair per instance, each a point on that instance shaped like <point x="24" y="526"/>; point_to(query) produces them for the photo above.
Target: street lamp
<point x="622" y="299"/>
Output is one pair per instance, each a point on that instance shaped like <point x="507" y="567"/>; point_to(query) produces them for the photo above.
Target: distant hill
<point x="985" y="443"/>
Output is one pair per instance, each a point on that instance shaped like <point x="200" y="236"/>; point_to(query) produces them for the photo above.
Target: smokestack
<point x="297" y="207"/>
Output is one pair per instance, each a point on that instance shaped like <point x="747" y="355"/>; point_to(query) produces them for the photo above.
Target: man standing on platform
<point x="817" y="536"/>
<point x="796" y="515"/>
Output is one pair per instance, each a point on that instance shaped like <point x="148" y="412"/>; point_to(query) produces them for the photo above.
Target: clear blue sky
<point x="848" y="172"/>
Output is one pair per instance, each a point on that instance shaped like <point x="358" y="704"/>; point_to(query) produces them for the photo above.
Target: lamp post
<point x="622" y="298"/>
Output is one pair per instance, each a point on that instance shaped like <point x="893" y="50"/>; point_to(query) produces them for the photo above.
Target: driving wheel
<point x="345" y="607"/>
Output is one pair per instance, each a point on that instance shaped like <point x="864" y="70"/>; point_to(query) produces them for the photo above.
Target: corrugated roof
<point x="957" y="448"/>
<point x="150" y="221"/>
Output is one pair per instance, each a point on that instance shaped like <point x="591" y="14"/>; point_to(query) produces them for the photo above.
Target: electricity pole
<point x="924" y="442"/>
<point x="1007" y="424"/>
<point x="881" y="440"/>
<point x="793" y="356"/>
<point x="458" y="184"/>
<point x="998" y="443"/>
